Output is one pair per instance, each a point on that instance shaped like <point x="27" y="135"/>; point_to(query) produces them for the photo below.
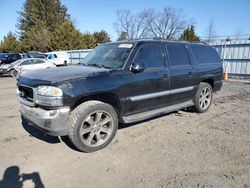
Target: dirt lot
<point x="182" y="149"/>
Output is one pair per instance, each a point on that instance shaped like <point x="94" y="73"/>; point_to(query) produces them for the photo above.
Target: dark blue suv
<point x="124" y="82"/>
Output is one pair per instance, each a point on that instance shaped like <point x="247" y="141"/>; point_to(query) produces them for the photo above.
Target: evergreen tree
<point x="189" y="34"/>
<point x="51" y="12"/>
<point x="66" y="37"/>
<point x="37" y="38"/>
<point x="101" y="37"/>
<point x="89" y="40"/>
<point x="10" y="44"/>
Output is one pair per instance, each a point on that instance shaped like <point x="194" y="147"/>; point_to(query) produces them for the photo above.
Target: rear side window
<point x="38" y="61"/>
<point x="178" y="54"/>
<point x="205" y="54"/>
<point x="151" y="54"/>
<point x="26" y="62"/>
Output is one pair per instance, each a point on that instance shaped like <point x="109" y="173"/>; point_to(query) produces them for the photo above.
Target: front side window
<point x="177" y="54"/>
<point x="151" y="54"/>
<point x="111" y="56"/>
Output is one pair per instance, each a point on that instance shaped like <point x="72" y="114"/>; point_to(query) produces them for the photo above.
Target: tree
<point x="166" y="24"/>
<point x="89" y="40"/>
<point x="133" y="25"/>
<point x="101" y="37"/>
<point x="37" y="38"/>
<point x="50" y="12"/>
<point x="123" y="36"/>
<point x="189" y="34"/>
<point x="10" y="44"/>
<point x="211" y="32"/>
<point x="38" y="20"/>
<point x="66" y="37"/>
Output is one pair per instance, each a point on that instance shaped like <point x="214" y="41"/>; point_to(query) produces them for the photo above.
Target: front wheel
<point x="92" y="125"/>
<point x="203" y="97"/>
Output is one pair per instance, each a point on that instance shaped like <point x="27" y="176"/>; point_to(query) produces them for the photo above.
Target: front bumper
<point x="54" y="122"/>
<point x="4" y="72"/>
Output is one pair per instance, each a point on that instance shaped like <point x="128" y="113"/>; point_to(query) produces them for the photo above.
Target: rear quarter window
<point x="205" y="54"/>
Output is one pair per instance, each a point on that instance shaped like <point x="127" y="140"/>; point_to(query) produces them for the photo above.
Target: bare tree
<point x="133" y="25"/>
<point x="166" y="24"/>
<point x="211" y="32"/>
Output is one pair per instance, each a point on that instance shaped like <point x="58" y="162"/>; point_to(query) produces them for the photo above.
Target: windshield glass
<point x="17" y="62"/>
<point x="111" y="56"/>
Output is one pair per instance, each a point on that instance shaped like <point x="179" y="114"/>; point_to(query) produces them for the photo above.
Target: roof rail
<point x="174" y="40"/>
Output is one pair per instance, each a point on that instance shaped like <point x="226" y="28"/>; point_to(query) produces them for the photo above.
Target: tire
<point x="203" y="98"/>
<point x="65" y="63"/>
<point x="92" y="126"/>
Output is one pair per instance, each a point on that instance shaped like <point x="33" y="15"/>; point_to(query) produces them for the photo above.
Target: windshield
<point x="17" y="62"/>
<point x="111" y="56"/>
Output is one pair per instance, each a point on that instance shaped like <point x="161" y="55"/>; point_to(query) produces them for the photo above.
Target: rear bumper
<point x="54" y="122"/>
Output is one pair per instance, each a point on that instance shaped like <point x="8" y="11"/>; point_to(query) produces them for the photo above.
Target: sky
<point x="229" y="16"/>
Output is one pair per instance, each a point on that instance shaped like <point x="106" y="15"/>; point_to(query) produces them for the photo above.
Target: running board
<point x="156" y="112"/>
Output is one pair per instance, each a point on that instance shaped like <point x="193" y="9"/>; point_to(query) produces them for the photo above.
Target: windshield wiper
<point x="97" y="65"/>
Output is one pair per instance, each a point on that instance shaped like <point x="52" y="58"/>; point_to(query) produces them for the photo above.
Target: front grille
<point x="26" y="92"/>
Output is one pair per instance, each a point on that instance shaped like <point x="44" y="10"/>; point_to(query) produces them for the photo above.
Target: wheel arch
<point x="109" y="98"/>
<point x="210" y="81"/>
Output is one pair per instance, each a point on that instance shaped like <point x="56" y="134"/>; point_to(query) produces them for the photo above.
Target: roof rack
<point x="173" y="40"/>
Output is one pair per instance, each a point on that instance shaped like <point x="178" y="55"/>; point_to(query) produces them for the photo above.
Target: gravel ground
<point x="182" y="149"/>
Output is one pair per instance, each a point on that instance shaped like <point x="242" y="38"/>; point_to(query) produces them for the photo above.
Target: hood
<point x="59" y="74"/>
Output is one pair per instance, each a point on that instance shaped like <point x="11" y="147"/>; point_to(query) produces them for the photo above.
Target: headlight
<point x="49" y="91"/>
<point x="48" y="96"/>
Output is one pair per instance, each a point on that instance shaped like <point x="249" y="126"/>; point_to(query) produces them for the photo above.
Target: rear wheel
<point x="203" y="97"/>
<point x="92" y="125"/>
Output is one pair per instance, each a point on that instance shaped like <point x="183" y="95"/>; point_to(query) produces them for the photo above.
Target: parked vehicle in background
<point x="59" y="58"/>
<point x="25" y="65"/>
<point x="35" y="54"/>
<point x="125" y="82"/>
<point x="3" y="56"/>
<point x="9" y="58"/>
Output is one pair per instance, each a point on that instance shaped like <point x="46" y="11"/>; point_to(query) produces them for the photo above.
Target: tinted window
<point x="205" y="54"/>
<point x="177" y="54"/>
<point x="50" y="56"/>
<point x="151" y="54"/>
<point x="55" y="56"/>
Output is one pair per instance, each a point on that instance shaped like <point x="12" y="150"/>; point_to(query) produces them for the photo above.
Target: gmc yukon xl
<point x="119" y="82"/>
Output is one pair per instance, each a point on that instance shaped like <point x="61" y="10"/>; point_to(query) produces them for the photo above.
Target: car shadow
<point x="41" y="135"/>
<point x="13" y="178"/>
<point x="37" y="133"/>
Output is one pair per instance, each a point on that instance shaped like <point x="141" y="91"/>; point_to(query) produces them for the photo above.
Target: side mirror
<point x="137" y="67"/>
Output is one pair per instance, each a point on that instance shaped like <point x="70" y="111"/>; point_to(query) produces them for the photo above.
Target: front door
<point x="148" y="89"/>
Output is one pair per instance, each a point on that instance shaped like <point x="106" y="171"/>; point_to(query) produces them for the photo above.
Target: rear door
<point x="181" y="72"/>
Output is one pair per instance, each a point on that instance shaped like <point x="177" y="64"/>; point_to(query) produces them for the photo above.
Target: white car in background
<point x="28" y="64"/>
<point x="59" y="58"/>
